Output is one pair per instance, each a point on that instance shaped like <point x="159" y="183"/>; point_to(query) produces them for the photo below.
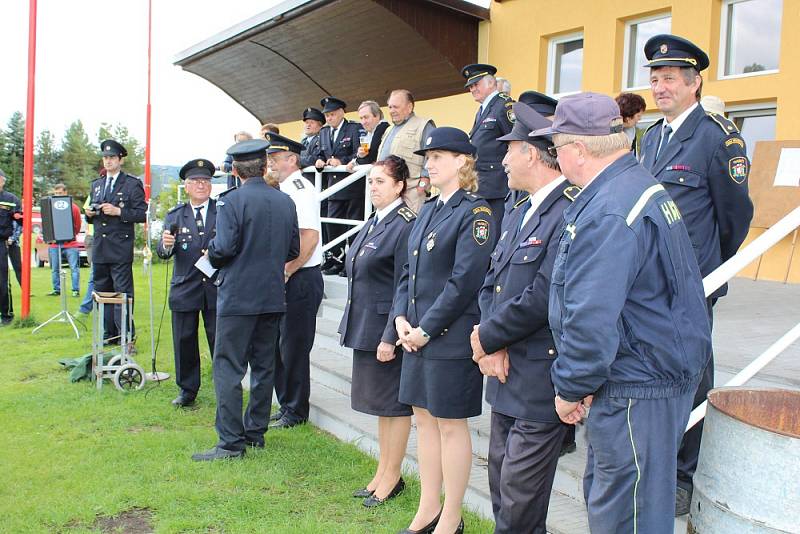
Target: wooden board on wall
<point x="771" y="202"/>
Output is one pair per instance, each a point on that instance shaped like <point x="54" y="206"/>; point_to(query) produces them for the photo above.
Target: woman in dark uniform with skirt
<point x="435" y="308"/>
<point x="374" y="264"/>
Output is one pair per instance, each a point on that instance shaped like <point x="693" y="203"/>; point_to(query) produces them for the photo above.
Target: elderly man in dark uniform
<point x="313" y="121"/>
<point x="513" y="344"/>
<point x="10" y="210"/>
<point x="494" y="119"/>
<point x="339" y="145"/>
<point x="256" y="235"/>
<point x="117" y="204"/>
<point x="628" y="317"/>
<point x="189" y="228"/>
<point x="701" y="160"/>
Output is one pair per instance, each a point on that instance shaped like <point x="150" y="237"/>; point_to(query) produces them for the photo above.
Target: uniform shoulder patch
<point x="572" y="192"/>
<point x="407" y="213"/>
<point x="734" y="141"/>
<point x="738" y="169"/>
<point x="176" y="208"/>
<point x="298" y="183"/>
<point x="521" y="201"/>
<point x="482" y="209"/>
<point x="480" y="231"/>
<point x="727" y="125"/>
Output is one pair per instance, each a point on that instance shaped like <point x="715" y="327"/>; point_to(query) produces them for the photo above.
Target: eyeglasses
<point x="202" y="182"/>
<point x="553" y="150"/>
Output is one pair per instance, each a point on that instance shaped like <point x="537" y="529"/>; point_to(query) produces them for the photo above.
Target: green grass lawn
<point x="73" y="459"/>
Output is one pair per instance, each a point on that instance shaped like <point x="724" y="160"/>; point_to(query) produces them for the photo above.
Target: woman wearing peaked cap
<point x="374" y="264"/>
<point x="435" y="308"/>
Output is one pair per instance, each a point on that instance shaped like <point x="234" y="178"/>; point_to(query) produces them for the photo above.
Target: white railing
<point x="728" y="270"/>
<point x="359" y="172"/>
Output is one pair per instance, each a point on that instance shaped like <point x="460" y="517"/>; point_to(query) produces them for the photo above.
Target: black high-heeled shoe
<point x="427" y="529"/>
<point x="373" y="500"/>
<point x="363" y="493"/>
<point x="460" y="527"/>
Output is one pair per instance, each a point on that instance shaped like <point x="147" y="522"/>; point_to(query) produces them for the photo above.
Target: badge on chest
<point x="431" y="241"/>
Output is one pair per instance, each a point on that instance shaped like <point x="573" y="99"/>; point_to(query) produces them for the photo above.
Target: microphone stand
<point x="148" y="265"/>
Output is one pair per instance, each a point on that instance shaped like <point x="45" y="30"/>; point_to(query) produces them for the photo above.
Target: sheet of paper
<point x="205" y="266"/>
<point x="788" y="173"/>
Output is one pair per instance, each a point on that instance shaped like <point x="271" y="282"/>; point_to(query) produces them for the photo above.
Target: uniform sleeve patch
<point x="481" y="209"/>
<point x="510" y="115"/>
<point x="738" y="169"/>
<point x="734" y="141"/>
<point x="480" y="231"/>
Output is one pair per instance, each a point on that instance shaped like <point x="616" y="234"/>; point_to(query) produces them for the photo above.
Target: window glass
<point x="755" y="128"/>
<point x="638" y="34"/>
<point x="568" y="68"/>
<point x="752" y="35"/>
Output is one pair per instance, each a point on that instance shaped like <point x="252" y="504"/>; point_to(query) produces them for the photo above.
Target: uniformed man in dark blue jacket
<point x="701" y="160"/>
<point x="526" y="433"/>
<point x="313" y="121"/>
<point x="10" y="210"/>
<point x="189" y="228"/>
<point x="339" y="144"/>
<point x="494" y="119"/>
<point x="256" y="235"/>
<point x="628" y="317"/>
<point x="117" y="204"/>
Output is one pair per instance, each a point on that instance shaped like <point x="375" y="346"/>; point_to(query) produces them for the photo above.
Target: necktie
<point x="198" y="217"/>
<point x="665" y="135"/>
<point x="477" y="117"/>
<point x="374" y="223"/>
<point x="523" y="210"/>
<point x="109" y="188"/>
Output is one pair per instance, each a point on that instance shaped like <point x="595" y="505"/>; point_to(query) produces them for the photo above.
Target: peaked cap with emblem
<point x="473" y="73"/>
<point x="331" y="103"/>
<point x="667" y="50"/>
<point x="247" y="150"/>
<point x="528" y="120"/>
<point x="540" y="102"/>
<point x="450" y="139"/>
<point x="109" y="147"/>
<point x="314" y="114"/>
<point x="279" y="143"/>
<point x="197" y="168"/>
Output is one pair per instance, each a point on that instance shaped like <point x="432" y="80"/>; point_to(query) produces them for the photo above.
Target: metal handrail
<point x="359" y="172"/>
<point x="731" y="268"/>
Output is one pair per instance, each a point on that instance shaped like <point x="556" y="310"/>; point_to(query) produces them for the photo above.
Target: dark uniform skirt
<point x="375" y="385"/>
<point x="448" y="389"/>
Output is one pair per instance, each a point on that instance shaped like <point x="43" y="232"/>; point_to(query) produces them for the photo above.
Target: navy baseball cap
<point x="197" y="168"/>
<point x="279" y="143"/>
<point x="247" y="150"/>
<point x="667" y="50"/>
<point x="527" y="120"/>
<point x="450" y="139"/>
<point x="584" y="114"/>
<point x="109" y="147"/>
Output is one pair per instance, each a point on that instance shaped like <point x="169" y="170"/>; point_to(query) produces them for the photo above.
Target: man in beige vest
<point x="407" y="134"/>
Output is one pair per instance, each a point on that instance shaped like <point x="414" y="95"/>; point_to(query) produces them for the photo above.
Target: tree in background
<point x="47" y="164"/>
<point x="79" y="160"/>
<point x="134" y="162"/>
<point x="12" y="147"/>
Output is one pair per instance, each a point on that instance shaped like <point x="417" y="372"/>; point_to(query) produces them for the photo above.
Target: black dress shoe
<point x="334" y="269"/>
<point x="427" y="529"/>
<point x="276" y="416"/>
<point x="254" y="444"/>
<point x="363" y="493"/>
<point x="183" y="400"/>
<point x="372" y="501"/>
<point x="216" y="453"/>
<point x="567" y="448"/>
<point x="283" y="422"/>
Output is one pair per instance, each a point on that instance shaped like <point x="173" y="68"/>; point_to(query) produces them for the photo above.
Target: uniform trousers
<point x="6" y="305"/>
<point x="292" y="367"/>
<point x="690" y="445"/>
<point x="523" y="456"/>
<point x="185" y="344"/>
<point x="114" y="277"/>
<point x="350" y="208"/>
<point x="629" y="484"/>
<point x="243" y="340"/>
<point x="15" y="256"/>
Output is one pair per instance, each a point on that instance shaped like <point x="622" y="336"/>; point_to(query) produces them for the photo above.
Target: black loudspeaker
<point x="57" y="219"/>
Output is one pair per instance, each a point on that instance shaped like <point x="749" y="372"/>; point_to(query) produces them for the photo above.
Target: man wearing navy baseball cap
<point x="628" y="318"/>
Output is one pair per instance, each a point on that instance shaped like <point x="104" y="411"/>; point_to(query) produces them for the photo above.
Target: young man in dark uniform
<point x="117" y="204"/>
<point x="256" y="235"/>
<point x="701" y="160"/>
<point x="10" y="210"/>
<point x="189" y="228"/>
<point x="513" y="344"/>
<point x="494" y="119"/>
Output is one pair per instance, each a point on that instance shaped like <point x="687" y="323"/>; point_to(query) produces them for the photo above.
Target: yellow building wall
<point x="516" y="41"/>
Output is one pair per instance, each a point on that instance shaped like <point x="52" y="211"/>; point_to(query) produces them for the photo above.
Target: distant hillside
<point x="162" y="174"/>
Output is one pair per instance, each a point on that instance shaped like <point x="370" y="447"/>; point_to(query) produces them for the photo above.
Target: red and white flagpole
<point x="27" y="183"/>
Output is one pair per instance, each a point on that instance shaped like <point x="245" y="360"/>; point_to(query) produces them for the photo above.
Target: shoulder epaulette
<point x="407" y="213"/>
<point x="472" y="197"/>
<point x="505" y="96"/>
<point x="657" y="123"/>
<point x="521" y="201"/>
<point x="726" y="124"/>
<point x="433" y="198"/>
<point x="572" y="192"/>
<point x="176" y="208"/>
<point x="235" y="187"/>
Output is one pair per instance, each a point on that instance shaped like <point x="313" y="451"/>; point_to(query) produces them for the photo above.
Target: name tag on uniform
<point x="488" y="119"/>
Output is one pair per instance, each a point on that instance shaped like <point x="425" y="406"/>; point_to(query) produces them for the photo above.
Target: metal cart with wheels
<point x="120" y="368"/>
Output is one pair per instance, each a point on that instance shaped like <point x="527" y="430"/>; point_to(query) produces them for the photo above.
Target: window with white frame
<point x="637" y="32"/>
<point x="565" y="64"/>
<point x="750" y="37"/>
<point x="754" y="125"/>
